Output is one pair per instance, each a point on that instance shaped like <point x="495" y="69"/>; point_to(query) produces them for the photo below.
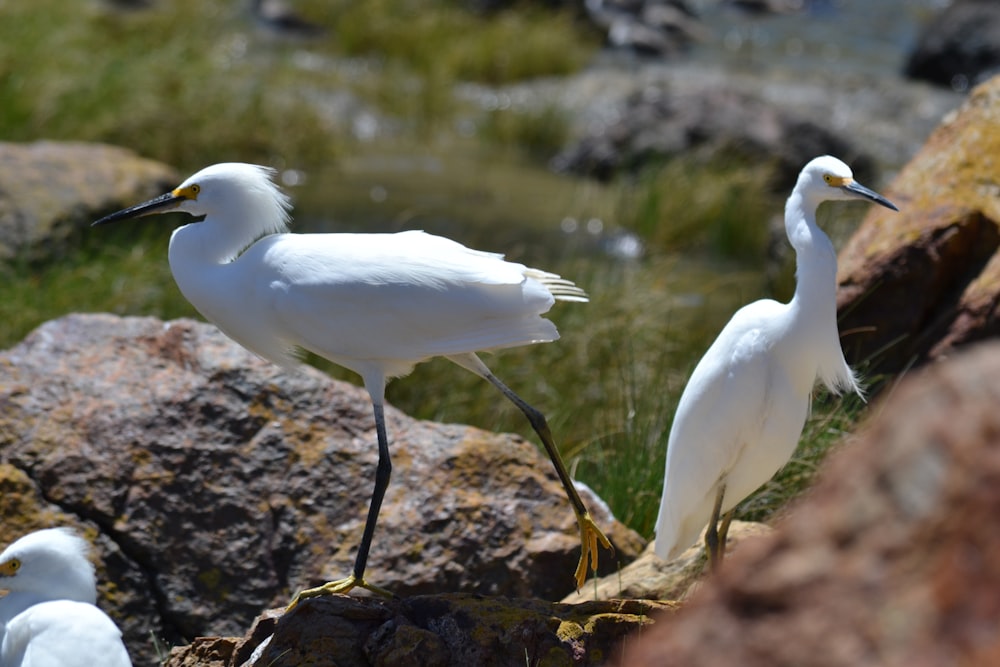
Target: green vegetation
<point x="719" y="200"/>
<point x="191" y="82"/>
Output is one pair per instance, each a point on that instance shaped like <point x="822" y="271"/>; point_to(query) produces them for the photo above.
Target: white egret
<point x="376" y="304"/>
<point x="742" y="412"/>
<point x="49" y="618"/>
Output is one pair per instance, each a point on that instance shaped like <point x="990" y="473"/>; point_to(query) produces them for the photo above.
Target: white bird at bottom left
<point x="49" y="616"/>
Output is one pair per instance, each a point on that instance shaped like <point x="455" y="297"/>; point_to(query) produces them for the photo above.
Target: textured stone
<point x="428" y="631"/>
<point x="220" y="484"/>
<point x="52" y="190"/>
<point x="889" y="560"/>
<point x="917" y="284"/>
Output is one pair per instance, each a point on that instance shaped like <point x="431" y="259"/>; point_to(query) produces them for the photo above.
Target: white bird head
<point x="826" y="178"/>
<point x="230" y="193"/>
<point x="49" y="564"/>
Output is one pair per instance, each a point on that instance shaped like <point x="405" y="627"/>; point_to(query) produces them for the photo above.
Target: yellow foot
<point x="590" y="535"/>
<point x="342" y="586"/>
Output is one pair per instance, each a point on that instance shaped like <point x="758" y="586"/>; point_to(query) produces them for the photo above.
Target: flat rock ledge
<point x="429" y="631"/>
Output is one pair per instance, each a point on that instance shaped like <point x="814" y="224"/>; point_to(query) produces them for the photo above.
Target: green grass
<point x="192" y="82"/>
<point x="720" y="207"/>
<point x="122" y="278"/>
<point x="539" y="133"/>
<point x="445" y="40"/>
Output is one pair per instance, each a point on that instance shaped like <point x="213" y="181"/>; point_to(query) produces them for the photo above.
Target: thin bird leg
<point x="590" y="534"/>
<point x="712" y="534"/>
<point x="727" y="519"/>
<point x="382" y="473"/>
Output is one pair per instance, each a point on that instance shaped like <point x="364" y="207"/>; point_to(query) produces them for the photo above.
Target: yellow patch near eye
<point x="8" y="568"/>
<point x="837" y="181"/>
<point x="188" y="192"/>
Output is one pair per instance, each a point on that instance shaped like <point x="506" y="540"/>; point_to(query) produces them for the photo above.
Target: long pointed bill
<point x="855" y="188"/>
<point x="161" y="204"/>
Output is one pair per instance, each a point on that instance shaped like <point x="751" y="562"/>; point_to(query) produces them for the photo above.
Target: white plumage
<point x="374" y="303"/>
<point x="743" y="409"/>
<point x="49" y="618"/>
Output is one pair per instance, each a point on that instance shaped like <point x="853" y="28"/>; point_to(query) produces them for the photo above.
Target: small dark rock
<point x="960" y="47"/>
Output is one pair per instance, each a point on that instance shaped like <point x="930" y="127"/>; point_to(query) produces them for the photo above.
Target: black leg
<point x="382" y="474"/>
<point x="712" y="535"/>
<point x="590" y="534"/>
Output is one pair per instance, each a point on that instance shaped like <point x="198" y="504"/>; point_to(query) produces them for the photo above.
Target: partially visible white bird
<point x="376" y="304"/>
<point x="49" y="618"/>
<point x="742" y="412"/>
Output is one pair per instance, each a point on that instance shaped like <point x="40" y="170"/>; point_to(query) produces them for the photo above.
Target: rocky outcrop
<point x="427" y="631"/>
<point x="918" y="284"/>
<point x="890" y="559"/>
<point x="960" y="47"/>
<point x="51" y="191"/>
<point x="655" y="124"/>
<point x="217" y="485"/>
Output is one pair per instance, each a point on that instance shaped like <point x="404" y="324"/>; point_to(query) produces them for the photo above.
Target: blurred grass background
<point x="195" y="82"/>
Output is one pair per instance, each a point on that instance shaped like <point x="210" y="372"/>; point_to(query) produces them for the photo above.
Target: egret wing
<point x="401" y="297"/>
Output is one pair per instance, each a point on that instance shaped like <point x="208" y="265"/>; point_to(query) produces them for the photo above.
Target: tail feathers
<point x="558" y="287"/>
<point x="843" y="380"/>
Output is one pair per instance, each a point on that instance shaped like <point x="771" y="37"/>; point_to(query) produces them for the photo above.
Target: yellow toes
<point x="340" y="586"/>
<point x="590" y="536"/>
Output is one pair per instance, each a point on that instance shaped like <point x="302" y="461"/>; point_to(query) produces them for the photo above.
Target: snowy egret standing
<point x="376" y="304"/>
<point x="743" y="410"/>
<point x="49" y="618"/>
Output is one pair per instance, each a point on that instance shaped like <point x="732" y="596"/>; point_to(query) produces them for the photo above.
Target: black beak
<point x="856" y="188"/>
<point x="161" y="204"/>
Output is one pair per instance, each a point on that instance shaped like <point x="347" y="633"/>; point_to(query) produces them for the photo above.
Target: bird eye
<point x="828" y="178"/>
<point x="10" y="567"/>
<point x="195" y="189"/>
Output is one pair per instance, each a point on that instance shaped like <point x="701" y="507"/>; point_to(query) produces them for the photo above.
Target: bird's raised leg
<point x="382" y="474"/>
<point x="590" y="534"/>
<point x="715" y="539"/>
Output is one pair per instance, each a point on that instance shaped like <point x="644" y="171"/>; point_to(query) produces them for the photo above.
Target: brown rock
<point x="427" y="631"/>
<point x="889" y="560"/>
<point x="221" y="485"/>
<point x="53" y="190"/>
<point x="918" y="284"/>
<point x="649" y="577"/>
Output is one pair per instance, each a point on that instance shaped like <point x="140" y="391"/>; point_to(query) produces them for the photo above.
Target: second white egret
<point x="49" y="617"/>
<point x="376" y="304"/>
<point x="741" y="414"/>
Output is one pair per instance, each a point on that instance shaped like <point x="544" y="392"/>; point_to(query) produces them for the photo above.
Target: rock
<point x="960" y="47"/>
<point x="766" y="7"/>
<point x="646" y="27"/>
<point x="917" y="284"/>
<point x="654" y="125"/>
<point x="52" y="190"/>
<point x="426" y="631"/>
<point x="889" y="560"/>
<point x="649" y="577"/>
<point x="221" y="485"/>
